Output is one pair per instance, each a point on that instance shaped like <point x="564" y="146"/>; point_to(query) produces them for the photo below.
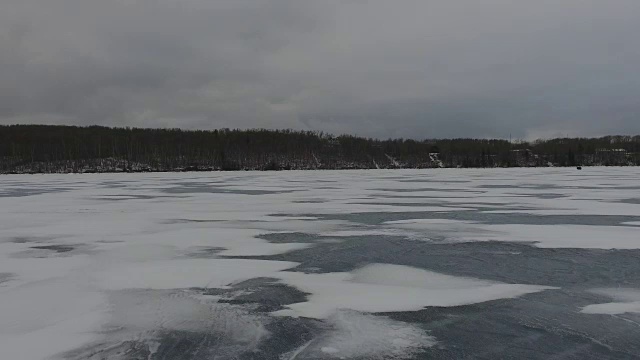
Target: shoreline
<point x="178" y="171"/>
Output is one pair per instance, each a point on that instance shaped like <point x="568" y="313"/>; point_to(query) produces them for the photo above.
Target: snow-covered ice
<point x="562" y="236"/>
<point x="627" y="301"/>
<point x="91" y="264"/>
<point x="351" y="334"/>
<point x="387" y="288"/>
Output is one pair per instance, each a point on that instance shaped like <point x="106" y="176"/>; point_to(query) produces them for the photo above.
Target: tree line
<point x="55" y="149"/>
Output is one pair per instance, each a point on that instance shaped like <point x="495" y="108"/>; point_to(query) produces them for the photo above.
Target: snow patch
<point x="351" y="335"/>
<point x="391" y="288"/>
<point x="145" y="316"/>
<point x="356" y="335"/>
<point x="42" y="319"/>
<point x="628" y="302"/>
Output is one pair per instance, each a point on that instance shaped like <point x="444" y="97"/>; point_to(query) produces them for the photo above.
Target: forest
<point x="65" y="149"/>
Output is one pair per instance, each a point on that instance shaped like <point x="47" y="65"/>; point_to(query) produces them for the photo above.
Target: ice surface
<point x="544" y="236"/>
<point x="388" y="288"/>
<point x="628" y="302"/>
<point x="148" y="315"/>
<point x="175" y="274"/>
<point x="351" y="334"/>
<point x="613" y="308"/>
<point x="135" y="245"/>
<point x="427" y="222"/>
<point x="563" y="236"/>
<point x="38" y="320"/>
<point x="372" y="337"/>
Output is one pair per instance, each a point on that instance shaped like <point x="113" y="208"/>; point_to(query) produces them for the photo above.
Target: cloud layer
<point x="411" y="68"/>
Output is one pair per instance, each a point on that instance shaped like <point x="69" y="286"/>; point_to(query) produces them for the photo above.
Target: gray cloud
<point x="411" y="68"/>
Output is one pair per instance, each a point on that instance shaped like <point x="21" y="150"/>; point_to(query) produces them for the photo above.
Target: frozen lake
<point x="398" y="264"/>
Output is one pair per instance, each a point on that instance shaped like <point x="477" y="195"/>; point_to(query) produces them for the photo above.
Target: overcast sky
<point x="380" y="68"/>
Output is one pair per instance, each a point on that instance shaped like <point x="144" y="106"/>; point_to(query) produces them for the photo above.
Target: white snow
<point x="613" y="308"/>
<point x="628" y="302"/>
<point x="144" y="315"/>
<point x="356" y="335"/>
<point x="42" y="319"/>
<point x="389" y="288"/>
<point x="132" y="233"/>
<point x="351" y="334"/>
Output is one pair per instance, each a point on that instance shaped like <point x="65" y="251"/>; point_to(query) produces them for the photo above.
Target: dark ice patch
<point x="539" y="325"/>
<point x="206" y="252"/>
<point x="285" y="335"/>
<point x="523" y="186"/>
<point x="186" y="221"/>
<point x="635" y="201"/>
<point x="289" y="237"/>
<point x="125" y="350"/>
<point x="265" y="293"/>
<point x="476" y="205"/>
<point x="438" y="190"/>
<point x="4" y="277"/>
<point x="24" y="192"/>
<point x="377" y="218"/>
<point x="55" y="248"/>
<point x="125" y="197"/>
<point x="29" y="239"/>
<point x="515" y="263"/>
<point x="535" y="326"/>
<point x="195" y="188"/>
<point x="549" y="196"/>
<point x="437" y="181"/>
<point x="435" y="197"/>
